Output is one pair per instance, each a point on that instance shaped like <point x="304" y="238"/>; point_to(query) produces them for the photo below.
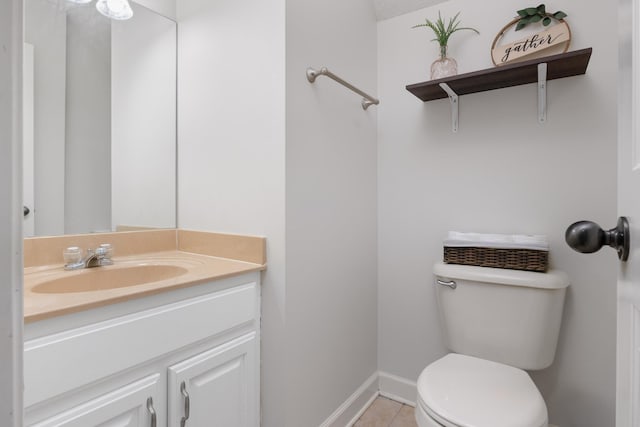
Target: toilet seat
<point x="465" y="391"/>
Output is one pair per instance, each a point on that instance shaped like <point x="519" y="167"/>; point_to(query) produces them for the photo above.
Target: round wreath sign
<point x="551" y="35"/>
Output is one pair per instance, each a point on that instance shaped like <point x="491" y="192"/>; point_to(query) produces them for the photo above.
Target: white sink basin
<point x="104" y="278"/>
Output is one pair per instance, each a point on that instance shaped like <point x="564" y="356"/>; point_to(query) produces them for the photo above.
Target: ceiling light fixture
<point x="115" y="9"/>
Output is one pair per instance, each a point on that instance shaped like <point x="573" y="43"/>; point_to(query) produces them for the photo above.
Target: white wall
<point x="10" y="214"/>
<point x="46" y="29"/>
<point x="163" y="7"/>
<point x="502" y="172"/>
<point x="231" y="148"/>
<point x="143" y="121"/>
<point x="320" y="328"/>
<point x="386" y="9"/>
<point x="331" y="207"/>
<point x="87" y="166"/>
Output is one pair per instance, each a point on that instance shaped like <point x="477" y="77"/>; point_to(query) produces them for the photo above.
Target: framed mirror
<point x="99" y="119"/>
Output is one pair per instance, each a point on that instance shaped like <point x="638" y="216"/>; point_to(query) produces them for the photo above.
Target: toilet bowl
<point x="459" y="390"/>
<point x="496" y="323"/>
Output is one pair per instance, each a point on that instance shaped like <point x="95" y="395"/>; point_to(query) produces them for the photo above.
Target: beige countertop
<point x="49" y="289"/>
<point x="198" y="269"/>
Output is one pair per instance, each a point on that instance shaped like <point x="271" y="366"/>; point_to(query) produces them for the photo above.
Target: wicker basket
<point x="515" y="259"/>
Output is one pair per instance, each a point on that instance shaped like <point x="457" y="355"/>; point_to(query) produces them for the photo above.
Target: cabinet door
<point x="217" y="388"/>
<point x="133" y="405"/>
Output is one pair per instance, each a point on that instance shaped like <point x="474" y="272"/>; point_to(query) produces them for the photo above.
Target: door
<point x="217" y="388"/>
<point x="28" y="99"/>
<point x="134" y="405"/>
<point x="628" y="340"/>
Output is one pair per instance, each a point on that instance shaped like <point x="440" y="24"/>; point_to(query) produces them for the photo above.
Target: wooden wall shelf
<point x="558" y="66"/>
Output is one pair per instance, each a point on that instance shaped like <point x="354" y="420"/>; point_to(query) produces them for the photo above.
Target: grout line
<point x="393" y="418"/>
<point x="396" y="415"/>
<point x="359" y="415"/>
<point x="397" y="412"/>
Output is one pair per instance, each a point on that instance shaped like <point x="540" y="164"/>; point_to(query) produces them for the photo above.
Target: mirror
<point x="99" y="119"/>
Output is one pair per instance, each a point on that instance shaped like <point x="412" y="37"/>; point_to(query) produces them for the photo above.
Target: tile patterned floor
<point x="385" y="412"/>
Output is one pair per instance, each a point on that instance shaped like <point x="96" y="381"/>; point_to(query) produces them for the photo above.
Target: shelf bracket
<point x="453" y="98"/>
<point x="542" y="92"/>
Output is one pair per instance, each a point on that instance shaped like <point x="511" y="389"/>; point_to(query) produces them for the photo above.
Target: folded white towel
<point x="500" y="241"/>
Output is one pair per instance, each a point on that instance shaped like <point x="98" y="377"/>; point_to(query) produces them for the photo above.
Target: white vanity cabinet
<point x="125" y="364"/>
<point x="133" y="405"/>
<point x="214" y="388"/>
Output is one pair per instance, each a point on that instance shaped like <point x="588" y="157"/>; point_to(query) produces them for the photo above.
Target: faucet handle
<point x="72" y="255"/>
<point x="105" y="249"/>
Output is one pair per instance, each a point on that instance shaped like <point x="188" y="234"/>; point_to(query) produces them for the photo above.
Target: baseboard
<point x="380" y="383"/>
<point x="349" y="412"/>
<point x="397" y="388"/>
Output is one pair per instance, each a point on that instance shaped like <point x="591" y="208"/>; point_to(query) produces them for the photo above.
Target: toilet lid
<point x="465" y="391"/>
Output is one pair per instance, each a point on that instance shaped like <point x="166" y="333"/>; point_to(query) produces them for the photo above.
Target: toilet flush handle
<point x="450" y="284"/>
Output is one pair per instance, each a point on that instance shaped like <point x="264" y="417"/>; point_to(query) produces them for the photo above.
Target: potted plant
<point x="444" y="66"/>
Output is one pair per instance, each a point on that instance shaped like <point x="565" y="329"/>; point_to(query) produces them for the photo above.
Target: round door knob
<point x="25" y="210"/>
<point x="588" y="237"/>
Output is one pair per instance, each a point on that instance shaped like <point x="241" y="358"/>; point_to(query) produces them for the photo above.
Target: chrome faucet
<point x="97" y="257"/>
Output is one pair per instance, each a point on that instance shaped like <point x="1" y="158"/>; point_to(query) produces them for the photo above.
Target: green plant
<point x="532" y="15"/>
<point x="443" y="32"/>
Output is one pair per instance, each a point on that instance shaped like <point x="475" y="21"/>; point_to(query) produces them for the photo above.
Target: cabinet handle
<point x="152" y="411"/>
<point x="187" y="404"/>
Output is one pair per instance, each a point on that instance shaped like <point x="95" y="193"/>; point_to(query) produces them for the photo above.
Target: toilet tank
<point x="508" y="316"/>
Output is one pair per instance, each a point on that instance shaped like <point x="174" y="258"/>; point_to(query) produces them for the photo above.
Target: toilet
<point x="497" y="323"/>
